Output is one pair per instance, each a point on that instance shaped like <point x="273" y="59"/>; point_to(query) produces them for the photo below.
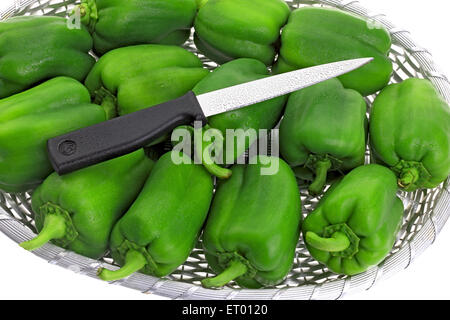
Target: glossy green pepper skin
<point x="116" y="23"/>
<point x="410" y="133"/>
<point x="264" y="115"/>
<point x="355" y="224"/>
<point x="28" y="119"/>
<point x="132" y="78"/>
<point x="311" y="37"/>
<point x="78" y="210"/>
<point x="161" y="228"/>
<point x="231" y="29"/>
<point x="324" y="129"/>
<point x="38" y="48"/>
<point x="253" y="226"/>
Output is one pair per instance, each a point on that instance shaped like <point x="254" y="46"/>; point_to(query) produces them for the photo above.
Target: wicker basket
<point x="426" y="211"/>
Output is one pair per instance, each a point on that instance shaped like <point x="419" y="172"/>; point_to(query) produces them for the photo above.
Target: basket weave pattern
<point x="426" y="211"/>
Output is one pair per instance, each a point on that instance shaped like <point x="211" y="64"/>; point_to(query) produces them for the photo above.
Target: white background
<point x="24" y="276"/>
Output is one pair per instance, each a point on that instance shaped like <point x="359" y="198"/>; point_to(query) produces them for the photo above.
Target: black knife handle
<point x="122" y="135"/>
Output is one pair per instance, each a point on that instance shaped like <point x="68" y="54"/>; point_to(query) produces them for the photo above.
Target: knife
<point x="122" y="135"/>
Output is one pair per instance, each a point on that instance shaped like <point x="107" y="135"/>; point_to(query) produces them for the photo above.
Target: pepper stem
<point x="322" y="168"/>
<point x="54" y="228"/>
<point x="235" y="269"/>
<point x="408" y="177"/>
<point x="338" y="241"/>
<point x="134" y="261"/>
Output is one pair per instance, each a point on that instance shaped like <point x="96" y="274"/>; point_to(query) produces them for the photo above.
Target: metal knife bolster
<point x="122" y="135"/>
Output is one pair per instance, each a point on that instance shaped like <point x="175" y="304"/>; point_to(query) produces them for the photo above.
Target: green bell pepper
<point x="264" y="115"/>
<point x="315" y="36"/>
<point x="324" y="129"/>
<point x="410" y="133"/>
<point x="132" y="78"/>
<point x="161" y="228"/>
<point x="116" y="24"/>
<point x="355" y="224"/>
<point x="37" y="48"/>
<point x="78" y="210"/>
<point x="230" y="29"/>
<point x="30" y="118"/>
<point x="253" y="226"/>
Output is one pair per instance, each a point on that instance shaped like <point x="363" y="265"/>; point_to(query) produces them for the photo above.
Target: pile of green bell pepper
<point x="30" y="118"/>
<point x="231" y="29"/>
<point x="78" y="210"/>
<point x="38" y="48"/>
<point x="324" y="129"/>
<point x="150" y="216"/>
<point x="116" y="24"/>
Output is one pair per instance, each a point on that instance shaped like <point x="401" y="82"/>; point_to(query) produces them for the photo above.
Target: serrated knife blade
<point x="125" y="134"/>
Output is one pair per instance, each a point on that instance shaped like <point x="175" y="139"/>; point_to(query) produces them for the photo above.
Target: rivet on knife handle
<point x="121" y="135"/>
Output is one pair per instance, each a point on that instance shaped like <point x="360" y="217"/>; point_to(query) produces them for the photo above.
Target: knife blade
<point x="122" y="135"/>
